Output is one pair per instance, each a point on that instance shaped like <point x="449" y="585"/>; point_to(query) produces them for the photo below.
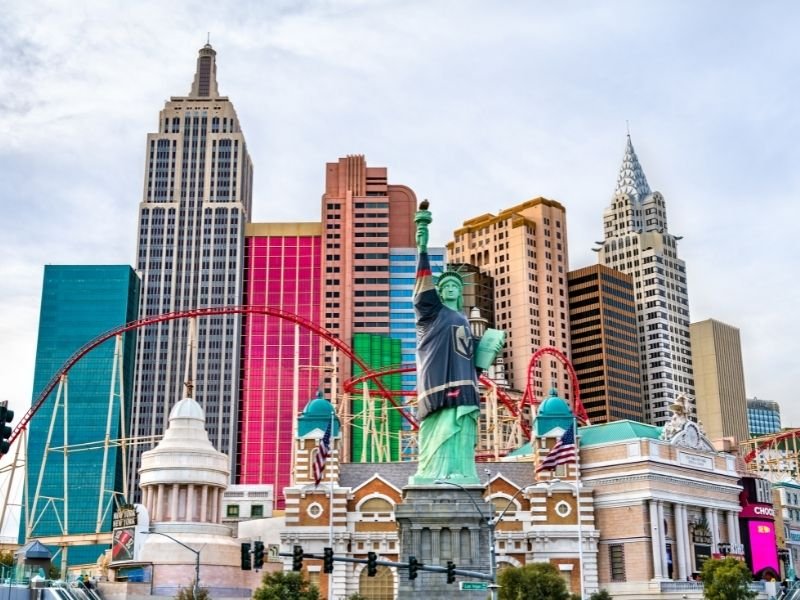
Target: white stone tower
<point x="638" y="243"/>
<point x="182" y="482"/>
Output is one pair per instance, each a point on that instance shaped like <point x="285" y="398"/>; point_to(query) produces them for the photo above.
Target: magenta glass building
<point x="282" y="270"/>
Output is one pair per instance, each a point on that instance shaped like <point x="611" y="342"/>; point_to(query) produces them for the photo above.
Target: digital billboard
<point x="763" y="546"/>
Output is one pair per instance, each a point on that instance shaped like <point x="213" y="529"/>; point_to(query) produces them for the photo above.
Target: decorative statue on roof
<point x="447" y="371"/>
<point x="680" y="415"/>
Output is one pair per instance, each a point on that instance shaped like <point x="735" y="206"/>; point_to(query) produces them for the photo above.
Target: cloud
<point x="476" y="106"/>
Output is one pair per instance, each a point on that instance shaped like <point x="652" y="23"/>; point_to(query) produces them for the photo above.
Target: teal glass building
<point x="79" y="303"/>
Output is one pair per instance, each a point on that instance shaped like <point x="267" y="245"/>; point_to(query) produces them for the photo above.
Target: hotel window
<point x="257" y="510"/>
<point x="233" y="510"/>
<point x="617" y="560"/>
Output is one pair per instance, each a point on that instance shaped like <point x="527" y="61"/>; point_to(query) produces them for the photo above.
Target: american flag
<point x="323" y="451"/>
<point x="563" y="452"/>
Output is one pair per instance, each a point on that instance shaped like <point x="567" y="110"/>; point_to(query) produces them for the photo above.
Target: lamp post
<point x="196" y="590"/>
<point x="491" y="523"/>
<point x="576" y="487"/>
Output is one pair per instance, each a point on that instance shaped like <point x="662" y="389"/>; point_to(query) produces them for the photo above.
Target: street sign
<point x="272" y="553"/>
<point x="473" y="585"/>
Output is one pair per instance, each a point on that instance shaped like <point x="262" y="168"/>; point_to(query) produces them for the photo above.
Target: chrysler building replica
<point x="637" y="242"/>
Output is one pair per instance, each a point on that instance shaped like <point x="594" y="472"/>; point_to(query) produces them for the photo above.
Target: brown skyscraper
<point x="363" y="216"/>
<point x="605" y="350"/>
<point x="719" y="379"/>
<point x="524" y="249"/>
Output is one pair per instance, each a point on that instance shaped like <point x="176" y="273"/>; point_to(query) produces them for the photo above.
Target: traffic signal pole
<point x="397" y="565"/>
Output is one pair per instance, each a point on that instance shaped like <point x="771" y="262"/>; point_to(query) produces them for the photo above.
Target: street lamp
<point x="491" y="523"/>
<point x="196" y="590"/>
<point x="576" y="487"/>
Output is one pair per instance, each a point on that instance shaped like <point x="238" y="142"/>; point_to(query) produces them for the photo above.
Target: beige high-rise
<point x="524" y="248"/>
<point x="719" y="379"/>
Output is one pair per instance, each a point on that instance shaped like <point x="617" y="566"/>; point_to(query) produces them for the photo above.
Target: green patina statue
<point x="447" y="376"/>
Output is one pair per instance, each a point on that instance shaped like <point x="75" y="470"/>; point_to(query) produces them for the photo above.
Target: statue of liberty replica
<point x="447" y="374"/>
<point x="440" y="519"/>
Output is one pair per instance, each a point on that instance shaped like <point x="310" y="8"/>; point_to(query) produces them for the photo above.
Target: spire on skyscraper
<point x="205" y="78"/>
<point x="631" y="179"/>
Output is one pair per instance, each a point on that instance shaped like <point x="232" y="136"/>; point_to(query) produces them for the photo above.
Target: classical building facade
<point x="645" y="505"/>
<point x="637" y="241"/>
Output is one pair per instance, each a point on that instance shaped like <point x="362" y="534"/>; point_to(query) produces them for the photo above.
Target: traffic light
<point x="372" y="564"/>
<point x="413" y="567"/>
<point x="246" y="557"/>
<point x="258" y="554"/>
<point x="451" y="571"/>
<point x="297" y="558"/>
<point x="327" y="560"/>
<point x="6" y="416"/>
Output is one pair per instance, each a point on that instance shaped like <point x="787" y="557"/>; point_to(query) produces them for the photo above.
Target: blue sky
<point x="475" y="105"/>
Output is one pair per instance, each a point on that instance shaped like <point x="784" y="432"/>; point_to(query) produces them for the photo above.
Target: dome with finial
<point x="317" y="415"/>
<point x="553" y="413"/>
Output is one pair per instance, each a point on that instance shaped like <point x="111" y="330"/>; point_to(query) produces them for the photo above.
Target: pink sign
<point x="763" y="546"/>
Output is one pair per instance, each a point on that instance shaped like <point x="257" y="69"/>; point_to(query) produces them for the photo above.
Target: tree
<point x="187" y="593"/>
<point x="601" y="595"/>
<point x="536" y="581"/>
<point x="726" y="579"/>
<point x="285" y="586"/>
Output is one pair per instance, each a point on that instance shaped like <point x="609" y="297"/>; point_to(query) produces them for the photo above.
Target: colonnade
<point x="183" y="502"/>
<point x="682" y="566"/>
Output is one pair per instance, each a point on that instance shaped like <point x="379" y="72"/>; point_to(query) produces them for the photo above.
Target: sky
<point x="476" y="105"/>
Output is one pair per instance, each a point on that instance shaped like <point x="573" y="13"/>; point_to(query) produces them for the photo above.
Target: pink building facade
<point x="283" y="262"/>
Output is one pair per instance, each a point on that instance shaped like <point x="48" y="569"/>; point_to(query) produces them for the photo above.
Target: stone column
<point x="714" y="530"/>
<point x="204" y="504"/>
<point x="190" y="502"/>
<point x="215" y="517"/>
<point x="173" y="502"/>
<point x="655" y="537"/>
<point x="159" y="512"/>
<point x="733" y="527"/>
<point x="686" y="541"/>
<point x="679" y="557"/>
<point x="662" y="540"/>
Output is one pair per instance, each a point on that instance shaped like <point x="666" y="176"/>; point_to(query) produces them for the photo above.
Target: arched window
<point x="380" y="587"/>
<point x="377" y="509"/>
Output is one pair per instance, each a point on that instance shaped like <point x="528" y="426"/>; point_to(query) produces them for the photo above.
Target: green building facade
<point x="376" y="423"/>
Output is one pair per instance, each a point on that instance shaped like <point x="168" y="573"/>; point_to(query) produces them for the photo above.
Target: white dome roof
<point x="188" y="408"/>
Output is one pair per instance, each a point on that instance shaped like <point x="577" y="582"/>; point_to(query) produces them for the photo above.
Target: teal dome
<point x="553" y="406"/>
<point x="317" y="415"/>
<point x="553" y="413"/>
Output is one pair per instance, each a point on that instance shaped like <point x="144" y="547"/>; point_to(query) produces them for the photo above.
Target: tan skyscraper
<point x="524" y="249"/>
<point x="719" y="379"/>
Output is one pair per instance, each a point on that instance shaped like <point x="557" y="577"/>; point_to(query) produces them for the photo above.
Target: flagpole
<point x="578" y="501"/>
<point x="330" y="507"/>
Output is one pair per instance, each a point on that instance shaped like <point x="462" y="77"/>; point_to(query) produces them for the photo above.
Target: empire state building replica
<point x="196" y="200"/>
<point x="637" y="242"/>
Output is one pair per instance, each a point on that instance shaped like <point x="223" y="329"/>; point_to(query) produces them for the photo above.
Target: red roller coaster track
<point x="530" y="397"/>
<point x="350" y="386"/>
<point x="199" y="312"/>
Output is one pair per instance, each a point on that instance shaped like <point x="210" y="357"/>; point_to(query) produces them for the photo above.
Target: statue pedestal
<point x="438" y="523"/>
